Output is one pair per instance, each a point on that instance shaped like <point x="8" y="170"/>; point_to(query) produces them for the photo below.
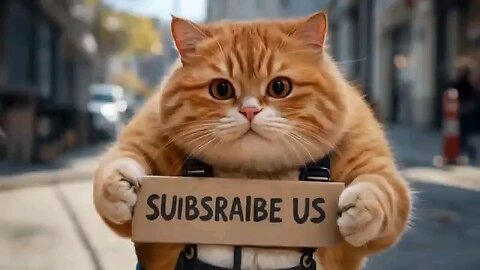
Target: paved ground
<point x="74" y="166"/>
<point x="56" y="228"/>
<point x="415" y="147"/>
<point x="445" y="233"/>
<point x="48" y="221"/>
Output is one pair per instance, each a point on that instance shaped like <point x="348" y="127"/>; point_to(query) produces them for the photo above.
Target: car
<point x="107" y="105"/>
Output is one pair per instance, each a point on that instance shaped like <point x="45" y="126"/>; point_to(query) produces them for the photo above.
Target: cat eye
<point x="279" y="87"/>
<point x="221" y="89"/>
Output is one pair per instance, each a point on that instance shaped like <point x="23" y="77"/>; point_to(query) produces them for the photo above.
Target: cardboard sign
<point x="237" y="212"/>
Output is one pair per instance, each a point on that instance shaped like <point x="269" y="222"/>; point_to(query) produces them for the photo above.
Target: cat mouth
<point x="251" y="132"/>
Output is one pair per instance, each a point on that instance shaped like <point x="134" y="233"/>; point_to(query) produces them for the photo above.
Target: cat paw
<point x="361" y="215"/>
<point x="121" y="180"/>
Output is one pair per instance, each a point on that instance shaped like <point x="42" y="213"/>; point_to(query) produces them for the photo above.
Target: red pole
<point x="451" y="127"/>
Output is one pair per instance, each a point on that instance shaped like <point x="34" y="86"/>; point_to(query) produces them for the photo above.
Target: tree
<point x="131" y="82"/>
<point x="120" y="32"/>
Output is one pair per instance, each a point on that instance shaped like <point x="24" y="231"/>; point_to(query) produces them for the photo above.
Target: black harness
<point x="187" y="260"/>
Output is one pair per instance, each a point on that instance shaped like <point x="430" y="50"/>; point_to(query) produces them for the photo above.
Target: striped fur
<point x="323" y="114"/>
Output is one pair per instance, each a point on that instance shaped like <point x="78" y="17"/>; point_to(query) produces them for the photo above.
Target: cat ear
<point x="313" y="31"/>
<point x="186" y="35"/>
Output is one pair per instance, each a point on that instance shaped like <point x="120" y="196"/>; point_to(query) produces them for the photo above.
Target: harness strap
<point x="237" y="258"/>
<point x="194" y="167"/>
<point x="316" y="171"/>
<point x="306" y="260"/>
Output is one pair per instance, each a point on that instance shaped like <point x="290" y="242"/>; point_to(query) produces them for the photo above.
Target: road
<point x="445" y="234"/>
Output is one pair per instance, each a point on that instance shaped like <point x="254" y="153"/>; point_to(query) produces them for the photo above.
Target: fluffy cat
<point x="259" y="100"/>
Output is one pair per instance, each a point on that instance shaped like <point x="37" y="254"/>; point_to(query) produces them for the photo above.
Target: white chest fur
<point x="252" y="258"/>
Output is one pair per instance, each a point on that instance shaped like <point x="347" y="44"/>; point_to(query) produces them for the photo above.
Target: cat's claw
<point x="361" y="215"/>
<point x="122" y="178"/>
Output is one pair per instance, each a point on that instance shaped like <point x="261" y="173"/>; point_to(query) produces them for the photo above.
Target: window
<point x="102" y="98"/>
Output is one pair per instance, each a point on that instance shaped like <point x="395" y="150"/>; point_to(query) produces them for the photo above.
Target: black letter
<point x="274" y="209"/>
<point x="191" y="205"/>
<point x="295" y="211"/>
<point x="220" y="206"/>
<point x="259" y="212"/>
<point x="316" y="205"/>
<point x="154" y="207"/>
<point x="248" y="208"/>
<point x="207" y="207"/>
<point x="180" y="205"/>
<point x="236" y="209"/>
<point x="163" y="209"/>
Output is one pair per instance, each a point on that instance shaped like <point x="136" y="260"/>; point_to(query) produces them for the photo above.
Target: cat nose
<point x="250" y="112"/>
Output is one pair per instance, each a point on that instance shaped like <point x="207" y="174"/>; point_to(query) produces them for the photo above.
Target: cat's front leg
<point x="373" y="211"/>
<point x="115" y="192"/>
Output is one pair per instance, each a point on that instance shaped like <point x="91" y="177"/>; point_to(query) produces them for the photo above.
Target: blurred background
<point x="73" y="72"/>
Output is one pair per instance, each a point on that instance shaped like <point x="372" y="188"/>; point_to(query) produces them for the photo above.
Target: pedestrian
<point x="468" y="107"/>
<point x="3" y="145"/>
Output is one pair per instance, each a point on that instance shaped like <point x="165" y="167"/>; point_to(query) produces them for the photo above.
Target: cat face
<point x="260" y="96"/>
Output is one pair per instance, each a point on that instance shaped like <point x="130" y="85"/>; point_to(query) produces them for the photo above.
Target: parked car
<point x="107" y="106"/>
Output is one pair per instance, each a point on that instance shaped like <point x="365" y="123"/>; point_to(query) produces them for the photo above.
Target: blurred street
<point x="49" y="221"/>
<point x="74" y="72"/>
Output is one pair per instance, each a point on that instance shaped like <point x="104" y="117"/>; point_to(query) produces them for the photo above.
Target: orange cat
<point x="259" y="100"/>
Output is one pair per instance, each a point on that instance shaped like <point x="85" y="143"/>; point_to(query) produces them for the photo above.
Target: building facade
<point x="258" y="9"/>
<point x="46" y="58"/>
<point x="403" y="53"/>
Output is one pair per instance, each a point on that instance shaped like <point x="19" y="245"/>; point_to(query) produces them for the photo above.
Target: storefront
<point x="44" y="77"/>
<point x="457" y="43"/>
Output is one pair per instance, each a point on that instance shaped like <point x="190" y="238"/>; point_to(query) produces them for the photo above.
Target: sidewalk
<point x="56" y="227"/>
<point x="74" y="166"/>
<point x="415" y="149"/>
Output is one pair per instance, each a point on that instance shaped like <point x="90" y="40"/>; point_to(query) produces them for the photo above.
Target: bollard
<point x="451" y="127"/>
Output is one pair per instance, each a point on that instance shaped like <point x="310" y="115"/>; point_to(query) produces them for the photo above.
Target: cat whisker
<point x="191" y="136"/>
<point x="352" y="61"/>
<point x="226" y="120"/>
<point x="220" y="48"/>
<point x="306" y="141"/>
<point x="227" y="126"/>
<point x="323" y="141"/>
<point x="176" y="128"/>
<point x="297" y="51"/>
<point x="193" y="124"/>
<point x="202" y="136"/>
<point x="168" y="144"/>
<point x="278" y="119"/>
<point x="197" y="150"/>
<point x="299" y="142"/>
<point x="194" y="151"/>
<point x="317" y="136"/>
<point x="278" y="125"/>
<point x="293" y="149"/>
<point x="292" y="136"/>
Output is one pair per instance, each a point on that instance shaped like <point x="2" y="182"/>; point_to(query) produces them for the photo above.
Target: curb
<point x="455" y="176"/>
<point x="26" y="181"/>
